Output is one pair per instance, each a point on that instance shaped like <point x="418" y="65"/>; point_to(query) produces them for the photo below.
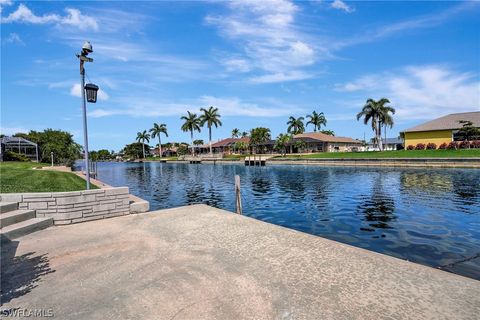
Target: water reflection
<point x="427" y="216"/>
<point x="378" y="207"/>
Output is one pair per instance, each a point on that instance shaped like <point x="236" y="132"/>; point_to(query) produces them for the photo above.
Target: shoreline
<point x="471" y="163"/>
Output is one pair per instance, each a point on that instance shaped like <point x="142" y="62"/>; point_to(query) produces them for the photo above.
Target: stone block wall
<point x="75" y="206"/>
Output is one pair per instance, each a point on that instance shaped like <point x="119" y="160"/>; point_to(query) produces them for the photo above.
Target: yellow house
<point x="440" y="130"/>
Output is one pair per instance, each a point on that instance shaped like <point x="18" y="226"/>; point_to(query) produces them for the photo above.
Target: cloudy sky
<point x="257" y="61"/>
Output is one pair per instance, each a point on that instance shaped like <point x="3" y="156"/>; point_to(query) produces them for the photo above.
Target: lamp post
<point x="91" y="90"/>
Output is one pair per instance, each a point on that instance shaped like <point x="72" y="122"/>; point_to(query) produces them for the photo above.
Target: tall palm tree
<point x="386" y="118"/>
<point x="295" y="125"/>
<point x="142" y="137"/>
<point x="378" y="114"/>
<point x="317" y="119"/>
<point x="282" y="141"/>
<point x="156" y="131"/>
<point x="235" y="133"/>
<point x="244" y="134"/>
<point x="192" y="123"/>
<point x="259" y="136"/>
<point x="210" y="117"/>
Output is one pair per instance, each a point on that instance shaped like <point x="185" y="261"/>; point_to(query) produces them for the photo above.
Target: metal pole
<point x="84" y="111"/>
<point x="51" y="155"/>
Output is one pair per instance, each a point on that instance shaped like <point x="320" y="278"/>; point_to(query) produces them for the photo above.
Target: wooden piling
<point x="238" y="198"/>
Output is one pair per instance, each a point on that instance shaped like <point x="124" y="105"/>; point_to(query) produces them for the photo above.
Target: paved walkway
<point x="198" y="262"/>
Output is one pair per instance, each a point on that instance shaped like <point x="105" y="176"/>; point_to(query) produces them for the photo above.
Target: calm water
<point x="427" y="216"/>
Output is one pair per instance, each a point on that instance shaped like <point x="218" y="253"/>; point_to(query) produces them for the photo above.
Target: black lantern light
<point x="91" y="91"/>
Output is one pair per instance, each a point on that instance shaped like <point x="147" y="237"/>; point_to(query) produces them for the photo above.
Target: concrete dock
<point x="199" y="262"/>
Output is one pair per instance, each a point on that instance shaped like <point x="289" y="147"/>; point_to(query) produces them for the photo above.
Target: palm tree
<point x="317" y="119"/>
<point x="295" y="125"/>
<point x="244" y="134"/>
<point x="192" y="123"/>
<point x="142" y="137"/>
<point x="156" y="131"/>
<point x="282" y="141"/>
<point x="211" y="117"/>
<point x="378" y="114"/>
<point x="259" y="136"/>
<point x="235" y="133"/>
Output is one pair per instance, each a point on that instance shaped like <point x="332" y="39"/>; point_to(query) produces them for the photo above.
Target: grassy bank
<point x="23" y="177"/>
<point x="158" y="159"/>
<point x="467" y="153"/>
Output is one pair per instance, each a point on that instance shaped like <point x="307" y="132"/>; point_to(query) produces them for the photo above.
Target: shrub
<point x="410" y="147"/>
<point x="13" y="156"/>
<point x="431" y="146"/>
<point x="420" y="146"/>
<point x="443" y="146"/>
<point x="452" y="145"/>
<point x="464" y="145"/>
<point x="475" y="144"/>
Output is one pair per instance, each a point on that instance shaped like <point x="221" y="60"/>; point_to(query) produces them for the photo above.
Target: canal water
<point x="429" y="216"/>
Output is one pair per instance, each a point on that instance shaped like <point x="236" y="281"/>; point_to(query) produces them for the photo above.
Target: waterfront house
<point x="320" y="142"/>
<point x="440" y="130"/>
<point x="388" y="144"/>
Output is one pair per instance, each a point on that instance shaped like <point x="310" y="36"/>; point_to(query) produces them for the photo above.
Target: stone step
<point x="15" y="216"/>
<point x="8" y="206"/>
<point x="25" y="227"/>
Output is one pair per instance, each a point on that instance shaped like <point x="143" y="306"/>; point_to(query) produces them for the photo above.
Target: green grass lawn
<point x="158" y="159"/>
<point x="22" y="177"/>
<point x="466" y="153"/>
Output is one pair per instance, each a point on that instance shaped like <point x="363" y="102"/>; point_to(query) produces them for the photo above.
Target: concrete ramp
<point x="198" y="262"/>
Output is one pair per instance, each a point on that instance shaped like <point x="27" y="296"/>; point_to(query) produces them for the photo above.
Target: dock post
<point x="238" y="198"/>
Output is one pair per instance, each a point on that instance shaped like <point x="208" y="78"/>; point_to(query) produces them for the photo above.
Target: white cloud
<point x="422" y="92"/>
<point x="76" y="92"/>
<point x="4" y="3"/>
<point x="281" y="77"/>
<point x="236" y="65"/>
<point x="73" y="18"/>
<point x="339" y="4"/>
<point x="271" y="42"/>
<point x="229" y="106"/>
<point x="14" y="38"/>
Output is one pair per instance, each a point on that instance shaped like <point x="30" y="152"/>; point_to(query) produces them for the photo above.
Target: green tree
<point x="295" y="125"/>
<point x="300" y="144"/>
<point x="210" y="117"/>
<point x="157" y="131"/>
<point x="235" y="133"/>
<point x="468" y="131"/>
<point x="104" y="154"/>
<point x="282" y="141"/>
<point x="244" y="134"/>
<point x="198" y="142"/>
<point x="259" y="136"/>
<point x="241" y="145"/>
<point x="134" y="150"/>
<point x="182" y="150"/>
<point x="317" y="119"/>
<point x="61" y="143"/>
<point x="142" y="137"/>
<point x="329" y="132"/>
<point x="378" y="114"/>
<point x="192" y="123"/>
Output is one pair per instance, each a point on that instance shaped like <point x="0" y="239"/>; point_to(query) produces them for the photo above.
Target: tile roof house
<point x="320" y="142"/>
<point x="440" y="130"/>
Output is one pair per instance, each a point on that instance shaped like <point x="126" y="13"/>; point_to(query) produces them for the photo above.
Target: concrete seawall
<point x="386" y="162"/>
<point x="198" y="262"/>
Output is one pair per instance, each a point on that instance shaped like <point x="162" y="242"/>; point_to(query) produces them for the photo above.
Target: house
<point x="227" y="146"/>
<point x="320" y="142"/>
<point x="440" y="130"/>
<point x="388" y="144"/>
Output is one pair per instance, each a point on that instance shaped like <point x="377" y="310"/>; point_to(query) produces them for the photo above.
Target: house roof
<point x="318" y="136"/>
<point x="448" y="122"/>
<point x="228" y="142"/>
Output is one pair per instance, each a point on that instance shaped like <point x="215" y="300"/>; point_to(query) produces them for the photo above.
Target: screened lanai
<point x="19" y="145"/>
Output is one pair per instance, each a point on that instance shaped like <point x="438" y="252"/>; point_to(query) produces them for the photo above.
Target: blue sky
<point x="257" y="61"/>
